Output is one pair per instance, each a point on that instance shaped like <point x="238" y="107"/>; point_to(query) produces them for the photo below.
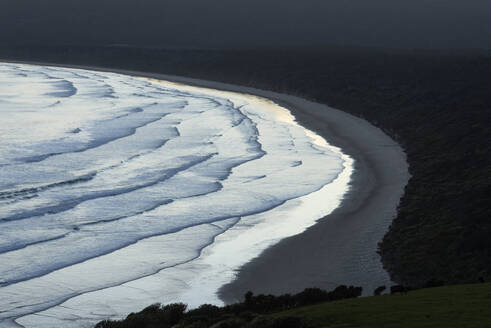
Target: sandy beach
<point x="341" y="247"/>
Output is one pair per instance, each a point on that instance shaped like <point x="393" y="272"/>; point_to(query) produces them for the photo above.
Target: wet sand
<point x="341" y="247"/>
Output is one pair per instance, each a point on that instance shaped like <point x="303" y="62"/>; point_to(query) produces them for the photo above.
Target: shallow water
<point x="117" y="192"/>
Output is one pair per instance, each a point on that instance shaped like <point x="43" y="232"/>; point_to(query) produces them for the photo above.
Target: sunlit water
<point x="117" y="192"/>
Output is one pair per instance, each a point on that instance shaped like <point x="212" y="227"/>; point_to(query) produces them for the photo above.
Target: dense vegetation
<point x="245" y="314"/>
<point x="449" y="306"/>
<point x="437" y="105"/>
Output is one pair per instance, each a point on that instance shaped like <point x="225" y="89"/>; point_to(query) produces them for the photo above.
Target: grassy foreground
<point x="449" y="306"/>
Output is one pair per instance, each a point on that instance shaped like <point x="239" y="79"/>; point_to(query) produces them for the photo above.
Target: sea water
<point x="117" y="192"/>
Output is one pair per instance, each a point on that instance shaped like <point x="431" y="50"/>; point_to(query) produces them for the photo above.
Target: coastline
<point x="342" y="245"/>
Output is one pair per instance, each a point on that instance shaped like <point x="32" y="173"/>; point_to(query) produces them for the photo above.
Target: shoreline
<point x="342" y="246"/>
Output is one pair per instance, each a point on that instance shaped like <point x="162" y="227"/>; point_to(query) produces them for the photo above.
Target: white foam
<point x="117" y="192"/>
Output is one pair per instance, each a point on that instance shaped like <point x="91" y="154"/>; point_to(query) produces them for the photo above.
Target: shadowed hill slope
<point x="435" y="104"/>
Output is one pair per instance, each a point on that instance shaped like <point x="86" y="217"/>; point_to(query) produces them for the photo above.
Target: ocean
<point x="117" y="192"/>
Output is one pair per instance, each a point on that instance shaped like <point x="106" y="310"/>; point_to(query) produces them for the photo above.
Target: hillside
<point x="437" y="105"/>
<point x="451" y="306"/>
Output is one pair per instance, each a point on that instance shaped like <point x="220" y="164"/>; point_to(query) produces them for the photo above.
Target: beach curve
<point x="341" y="247"/>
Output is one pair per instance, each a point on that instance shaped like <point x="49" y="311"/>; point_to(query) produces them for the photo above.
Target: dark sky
<point x="244" y="23"/>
